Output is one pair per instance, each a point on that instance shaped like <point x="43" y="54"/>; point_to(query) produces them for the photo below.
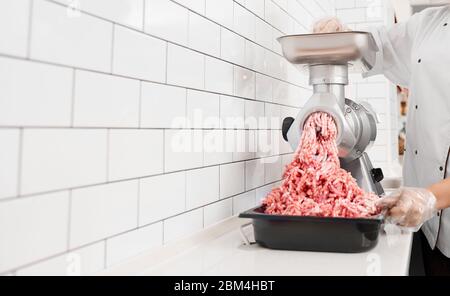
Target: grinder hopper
<point x="329" y="57"/>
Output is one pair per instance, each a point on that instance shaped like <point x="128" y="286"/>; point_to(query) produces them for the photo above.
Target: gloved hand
<point x="329" y="25"/>
<point x="409" y="207"/>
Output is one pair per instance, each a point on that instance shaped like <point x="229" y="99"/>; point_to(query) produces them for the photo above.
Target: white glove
<point x="329" y="25"/>
<point x="409" y="207"/>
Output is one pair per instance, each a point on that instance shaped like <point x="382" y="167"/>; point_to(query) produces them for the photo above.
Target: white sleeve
<point x="395" y="50"/>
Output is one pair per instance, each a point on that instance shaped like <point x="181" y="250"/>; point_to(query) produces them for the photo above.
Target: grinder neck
<point x="330" y="78"/>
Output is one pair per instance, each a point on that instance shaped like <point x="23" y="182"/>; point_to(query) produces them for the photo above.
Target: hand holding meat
<point x="329" y="25"/>
<point x="409" y="207"/>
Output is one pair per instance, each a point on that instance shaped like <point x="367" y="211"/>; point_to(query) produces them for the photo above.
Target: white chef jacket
<point x="416" y="55"/>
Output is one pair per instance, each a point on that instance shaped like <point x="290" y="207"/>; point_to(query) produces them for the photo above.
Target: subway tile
<point x="232" y="47"/>
<point x="9" y="162"/>
<point x="105" y="100"/>
<point x="71" y="158"/>
<point x="220" y="11"/>
<point x="244" y="22"/>
<point x="102" y="211"/>
<point x="138" y="55"/>
<point x="162" y="106"/>
<point x="133" y="243"/>
<point x="168" y="20"/>
<point x="273" y="169"/>
<point x="254" y="174"/>
<point x="204" y="35"/>
<point x="185" y="67"/>
<point x="276" y="16"/>
<point x="232" y="179"/>
<point x="262" y="192"/>
<point x="81" y="262"/>
<point x="244" y="202"/>
<point x="245" y="145"/>
<point x="202" y="187"/>
<point x="254" y="114"/>
<point x="135" y="153"/>
<point x="33" y="228"/>
<point x="83" y="41"/>
<point x="183" y="225"/>
<point x="218" y="146"/>
<point x="34" y="94"/>
<point x="218" y="211"/>
<point x="14" y="18"/>
<point x="183" y="149"/>
<point x="256" y="6"/>
<point x="255" y="57"/>
<point x="264" y="88"/>
<point x="244" y="83"/>
<point x="263" y="33"/>
<point x="161" y="197"/>
<point x="125" y="12"/>
<point x="273" y="116"/>
<point x="203" y="109"/>
<point x="195" y="5"/>
<point x="354" y="15"/>
<point x="232" y="112"/>
<point x="218" y="76"/>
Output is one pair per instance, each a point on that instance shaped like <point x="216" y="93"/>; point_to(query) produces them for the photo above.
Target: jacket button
<point x="416" y="152"/>
<point x="419" y="61"/>
<point x="417" y="107"/>
<point x="441" y="169"/>
<point x="445" y="25"/>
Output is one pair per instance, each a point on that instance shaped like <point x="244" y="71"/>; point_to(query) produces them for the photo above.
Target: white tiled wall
<point x="378" y="91"/>
<point x="91" y="170"/>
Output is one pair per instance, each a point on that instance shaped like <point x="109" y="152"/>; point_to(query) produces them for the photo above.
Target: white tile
<point x="34" y="94"/>
<point x="244" y="22"/>
<point x="263" y="33"/>
<point x="277" y="17"/>
<point x="244" y="202"/>
<point x="244" y="83"/>
<point x="81" y="262"/>
<point x="232" y="179"/>
<point x="264" y="88"/>
<point x="105" y="100"/>
<point x="183" y="149"/>
<point x="203" y="109"/>
<point x="14" y="17"/>
<point x="162" y="106"/>
<point x="138" y="55"/>
<point x="218" y="211"/>
<point x="202" y="187"/>
<point x="33" y="228"/>
<point x="204" y="35"/>
<point x="135" y="153"/>
<point x="254" y="174"/>
<point x="161" y="197"/>
<point x="255" y="57"/>
<point x="232" y="112"/>
<point x="125" y="12"/>
<point x="353" y="15"/>
<point x="273" y="116"/>
<point x="183" y="225"/>
<point x="168" y="20"/>
<point x="185" y="67"/>
<point x="273" y="169"/>
<point x="133" y="243"/>
<point x="102" y="211"/>
<point x="344" y="4"/>
<point x="254" y="114"/>
<point x="217" y="149"/>
<point x="262" y="192"/>
<point x="71" y="158"/>
<point x="220" y="11"/>
<point x="256" y="6"/>
<point x="82" y="41"/>
<point x="195" y="5"/>
<point x="232" y="47"/>
<point x="245" y="145"/>
<point x="9" y="162"/>
<point x="218" y="76"/>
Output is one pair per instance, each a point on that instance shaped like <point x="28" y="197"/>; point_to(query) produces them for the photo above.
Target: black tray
<point x="299" y="233"/>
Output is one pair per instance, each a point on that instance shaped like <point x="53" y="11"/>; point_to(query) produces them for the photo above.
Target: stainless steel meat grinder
<point x="329" y="57"/>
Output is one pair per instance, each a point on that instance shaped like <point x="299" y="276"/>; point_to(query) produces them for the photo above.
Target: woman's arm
<point x="441" y="191"/>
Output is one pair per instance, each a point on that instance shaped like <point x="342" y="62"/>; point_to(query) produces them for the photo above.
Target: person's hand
<point x="409" y="207"/>
<point x="329" y="25"/>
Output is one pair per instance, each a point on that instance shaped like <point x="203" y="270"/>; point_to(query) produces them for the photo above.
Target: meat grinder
<point x="329" y="58"/>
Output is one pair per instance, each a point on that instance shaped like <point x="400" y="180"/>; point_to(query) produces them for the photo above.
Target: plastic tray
<point x="298" y="233"/>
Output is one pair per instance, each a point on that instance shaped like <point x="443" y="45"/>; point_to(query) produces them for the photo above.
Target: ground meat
<point x="314" y="183"/>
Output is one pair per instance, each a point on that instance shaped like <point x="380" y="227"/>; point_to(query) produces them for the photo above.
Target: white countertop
<point x="219" y="250"/>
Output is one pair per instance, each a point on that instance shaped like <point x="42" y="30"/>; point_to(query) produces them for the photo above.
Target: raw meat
<point x="314" y="183"/>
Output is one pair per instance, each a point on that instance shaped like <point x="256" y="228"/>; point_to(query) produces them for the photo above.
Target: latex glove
<point x="329" y="25"/>
<point x="409" y="207"/>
